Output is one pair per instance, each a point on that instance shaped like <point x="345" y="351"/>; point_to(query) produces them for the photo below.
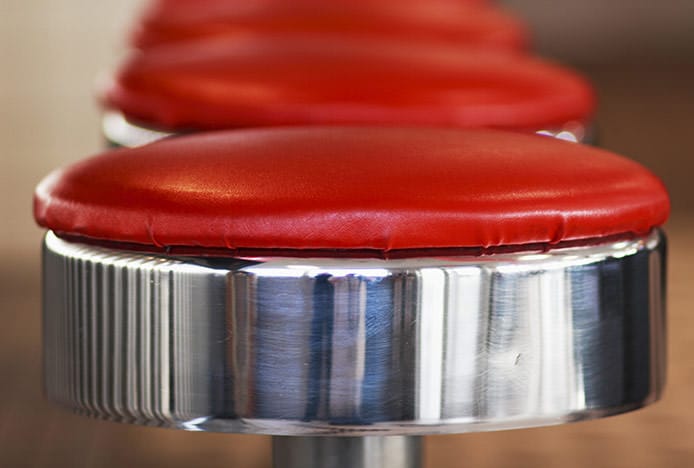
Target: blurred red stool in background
<point x="317" y="80"/>
<point x="450" y="23"/>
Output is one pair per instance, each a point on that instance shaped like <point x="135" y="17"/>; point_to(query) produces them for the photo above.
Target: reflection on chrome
<point x="119" y="132"/>
<point x="574" y="132"/>
<point x="355" y="346"/>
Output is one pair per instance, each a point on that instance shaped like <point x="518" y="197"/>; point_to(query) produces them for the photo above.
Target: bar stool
<point x="315" y="80"/>
<point x="347" y="289"/>
<point x="449" y="23"/>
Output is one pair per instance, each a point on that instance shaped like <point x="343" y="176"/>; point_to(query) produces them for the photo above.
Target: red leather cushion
<point x="376" y="189"/>
<point x="448" y="23"/>
<point x="291" y="80"/>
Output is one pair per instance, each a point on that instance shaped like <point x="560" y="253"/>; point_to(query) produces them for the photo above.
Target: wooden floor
<point x="647" y="113"/>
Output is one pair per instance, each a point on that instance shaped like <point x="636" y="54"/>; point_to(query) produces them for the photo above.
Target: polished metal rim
<point x="297" y="346"/>
<point x="119" y="132"/>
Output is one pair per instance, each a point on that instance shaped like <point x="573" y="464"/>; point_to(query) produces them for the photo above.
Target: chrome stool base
<point x="355" y="347"/>
<point x="358" y="348"/>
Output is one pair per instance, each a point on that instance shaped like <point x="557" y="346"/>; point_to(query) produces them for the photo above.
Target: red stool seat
<point x="447" y="22"/>
<point x="352" y="189"/>
<point x="196" y="5"/>
<point x="291" y="80"/>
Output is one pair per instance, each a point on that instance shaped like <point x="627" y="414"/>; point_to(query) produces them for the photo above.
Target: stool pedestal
<point x="347" y="452"/>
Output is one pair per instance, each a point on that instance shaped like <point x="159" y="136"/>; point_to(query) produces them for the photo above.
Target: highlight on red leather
<point x="297" y="80"/>
<point x="346" y="189"/>
<point x="445" y="22"/>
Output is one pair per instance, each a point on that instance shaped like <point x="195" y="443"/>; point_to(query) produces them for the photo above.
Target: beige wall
<point x="50" y="52"/>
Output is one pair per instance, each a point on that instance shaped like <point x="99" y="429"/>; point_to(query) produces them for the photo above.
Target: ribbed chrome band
<point x="295" y="346"/>
<point x="119" y="132"/>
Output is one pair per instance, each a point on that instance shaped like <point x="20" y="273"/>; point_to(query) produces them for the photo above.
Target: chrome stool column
<point x="348" y="355"/>
<point x="347" y="452"/>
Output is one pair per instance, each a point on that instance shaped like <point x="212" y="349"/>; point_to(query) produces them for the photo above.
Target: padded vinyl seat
<point x="348" y="189"/>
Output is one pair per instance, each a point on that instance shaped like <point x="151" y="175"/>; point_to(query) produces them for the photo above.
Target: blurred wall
<point x="50" y="53"/>
<point x="592" y="32"/>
